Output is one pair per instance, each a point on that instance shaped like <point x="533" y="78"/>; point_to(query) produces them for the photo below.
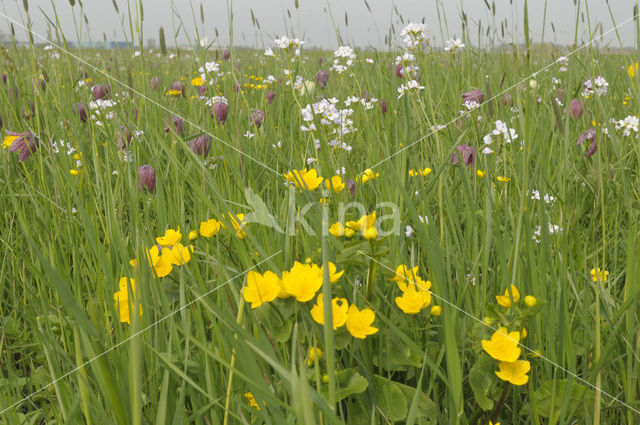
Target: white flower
<point x="114" y="172"/>
<point x="409" y="86"/>
<point x="341" y="172"/>
<point x="599" y="86"/>
<point x="423" y="219"/>
<point x="278" y="145"/>
<point x="269" y="52"/>
<point x="408" y="231"/>
<point x="343" y="59"/>
<point x="627" y="125"/>
<point x="249" y="134"/>
<point x="136" y="53"/>
<point x="453" y="45"/>
<point x="548" y="198"/>
<point x="414" y="36"/>
<point x="369" y="60"/>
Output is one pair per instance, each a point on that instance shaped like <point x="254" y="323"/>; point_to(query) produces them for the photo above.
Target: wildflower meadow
<point x="430" y="233"/>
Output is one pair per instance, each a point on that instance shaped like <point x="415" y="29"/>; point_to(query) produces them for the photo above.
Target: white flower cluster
<point x="408" y="66"/>
<point x="343" y="59"/>
<point x="627" y="125"/>
<point x="508" y="135"/>
<point x="598" y="86"/>
<point x="535" y="195"/>
<point x="337" y="120"/>
<point x="210" y="68"/>
<point x="56" y="146"/>
<point x="453" y="45"/>
<point x="553" y="230"/>
<point x="563" y="61"/>
<point x="411" y="86"/>
<point x="286" y="44"/>
<point x="367" y="103"/>
<point x="414" y="36"/>
<point x="210" y="101"/>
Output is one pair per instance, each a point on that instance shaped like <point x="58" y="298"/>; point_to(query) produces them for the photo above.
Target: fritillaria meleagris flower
<point x="399" y="72"/>
<point x="220" y="110"/>
<point x="507" y="100"/>
<point x="320" y="60"/>
<point x="257" y="117"/>
<point x="80" y="109"/>
<point x="226" y="54"/>
<point x="4" y="78"/>
<point x="468" y="154"/>
<point x="154" y="83"/>
<point x="589" y="135"/>
<point x="576" y="109"/>
<point x="383" y="107"/>
<point x="25" y="143"/>
<point x="202" y="90"/>
<point x="351" y="185"/>
<point x="100" y="91"/>
<point x="270" y="96"/>
<point x="475" y="95"/>
<point x="124" y="137"/>
<point x="146" y="178"/>
<point x="201" y="145"/>
<point x="178" y="125"/>
<point x="322" y="77"/>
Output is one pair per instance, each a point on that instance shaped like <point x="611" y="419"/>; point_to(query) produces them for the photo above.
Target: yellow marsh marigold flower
<point x="122" y="303"/>
<point x="503" y="346"/>
<point x="302" y="281"/>
<point x="337" y="229"/>
<point x="505" y="300"/>
<point x="631" y="71"/>
<point x="365" y="222"/>
<point x="367" y="175"/>
<point x="170" y="238"/>
<point x="160" y="264"/>
<point x="599" y="275"/>
<point x="504" y="179"/>
<point x="210" y="227"/>
<point x="261" y="289"/>
<point x="359" y="322"/>
<point x="333" y="275"/>
<point x="514" y="372"/>
<point x="197" y="82"/>
<point x="315" y="353"/>
<point x="339" y="307"/>
<point x="405" y="275"/>
<point x="335" y="183"/>
<point x="413" y="300"/>
<point x="173" y="92"/>
<point x="420" y="172"/>
<point x="252" y="400"/>
<point x="304" y="179"/>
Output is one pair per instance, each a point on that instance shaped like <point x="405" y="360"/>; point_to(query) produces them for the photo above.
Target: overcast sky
<point x="318" y="21"/>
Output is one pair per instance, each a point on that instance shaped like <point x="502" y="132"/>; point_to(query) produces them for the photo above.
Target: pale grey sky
<point x="316" y="21"/>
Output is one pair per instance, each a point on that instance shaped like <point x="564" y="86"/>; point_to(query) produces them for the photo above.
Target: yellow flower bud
<point x="370" y="233"/>
<point x="436" y="311"/>
<point x="530" y="301"/>
<point x="193" y="235"/>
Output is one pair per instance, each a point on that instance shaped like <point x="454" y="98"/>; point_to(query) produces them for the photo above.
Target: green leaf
<point x="349" y="382"/>
<point x="481" y="379"/>
<point x="555" y="396"/>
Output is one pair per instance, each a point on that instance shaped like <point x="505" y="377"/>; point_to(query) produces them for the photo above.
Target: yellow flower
<point x="210" y="227"/>
<point x="348" y="232"/>
<point x="315" y="353"/>
<point x="8" y="141"/>
<point x="74" y="172"/>
<point x="405" y="275"/>
<point x="193" y="235"/>
<point x="261" y="289"/>
<point x="503" y="346"/>
<point x="359" y="322"/>
<point x="491" y="423"/>
<point x="480" y="173"/>
<point x="173" y="92"/>
<point x="177" y="254"/>
<point x="413" y="300"/>
<point x="122" y="299"/>
<point x="505" y="300"/>
<point x="197" y="82"/>
<point x="339" y="307"/>
<point x="530" y="301"/>
<point x="367" y="175"/>
<point x="252" y="400"/>
<point x="514" y="372"/>
<point x="599" y="274"/>
<point x="237" y="221"/>
<point x="504" y="179"/>
<point x="631" y="71"/>
<point x="370" y="233"/>
<point x="336" y="229"/>
<point x="436" y="311"/>
<point x="170" y="238"/>
<point x="304" y="179"/>
<point x="161" y="264"/>
<point x="363" y="224"/>
<point x="302" y="281"/>
<point x="333" y="276"/>
<point x="420" y="172"/>
<point x="335" y="183"/>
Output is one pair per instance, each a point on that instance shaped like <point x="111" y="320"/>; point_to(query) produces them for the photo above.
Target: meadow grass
<point x="198" y="348"/>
